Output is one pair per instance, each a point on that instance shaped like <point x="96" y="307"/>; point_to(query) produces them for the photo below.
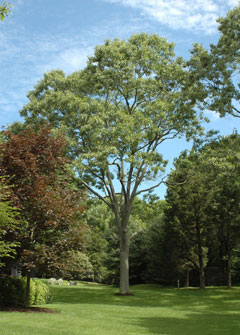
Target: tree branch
<point x="151" y="188"/>
<point x="96" y="193"/>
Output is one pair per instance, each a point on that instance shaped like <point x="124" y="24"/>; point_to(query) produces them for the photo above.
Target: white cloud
<point x="75" y="58"/>
<point x="25" y="57"/>
<point x="197" y="15"/>
<point x="69" y="60"/>
<point x="233" y="2"/>
<point x="212" y="115"/>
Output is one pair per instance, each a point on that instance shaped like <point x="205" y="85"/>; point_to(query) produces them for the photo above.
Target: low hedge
<point x="13" y="292"/>
<point x="40" y="292"/>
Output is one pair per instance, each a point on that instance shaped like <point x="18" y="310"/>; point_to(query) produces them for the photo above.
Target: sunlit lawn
<point x="95" y="310"/>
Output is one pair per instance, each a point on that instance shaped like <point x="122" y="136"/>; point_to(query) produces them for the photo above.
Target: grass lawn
<point x="94" y="310"/>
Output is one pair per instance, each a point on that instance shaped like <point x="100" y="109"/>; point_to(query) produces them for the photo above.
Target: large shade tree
<point x="117" y="111"/>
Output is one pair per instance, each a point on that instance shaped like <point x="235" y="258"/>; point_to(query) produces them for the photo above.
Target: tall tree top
<point x="118" y="110"/>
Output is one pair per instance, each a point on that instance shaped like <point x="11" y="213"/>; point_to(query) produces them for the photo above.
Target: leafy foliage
<point x="5" y="9"/>
<point x="214" y="74"/>
<point x="12" y="292"/>
<point x="8" y="221"/>
<point x="102" y="242"/>
<point x="77" y="266"/>
<point x="203" y="205"/>
<point x="40" y="292"/>
<point x="36" y="163"/>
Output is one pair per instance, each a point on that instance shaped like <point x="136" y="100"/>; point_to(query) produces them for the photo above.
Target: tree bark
<point x="27" y="301"/>
<point x="223" y="263"/>
<point x="202" y="277"/>
<point x="229" y="274"/>
<point x="200" y="256"/>
<point x="124" y="243"/>
<point x="187" y="278"/>
<point x="229" y="256"/>
<point x="124" y="265"/>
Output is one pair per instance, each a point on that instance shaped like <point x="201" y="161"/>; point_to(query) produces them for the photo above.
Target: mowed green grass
<point x="95" y="310"/>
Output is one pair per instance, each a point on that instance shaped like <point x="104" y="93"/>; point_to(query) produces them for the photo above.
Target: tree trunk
<point x="124" y="263"/>
<point x="28" y="289"/>
<point x="229" y="256"/>
<point x="202" y="277"/>
<point x="122" y="220"/>
<point x="223" y="264"/>
<point x="229" y="275"/>
<point x="200" y="256"/>
<point x="187" y="278"/>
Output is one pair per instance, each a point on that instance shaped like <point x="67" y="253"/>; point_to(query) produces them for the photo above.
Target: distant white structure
<point x="15" y="271"/>
<point x="60" y="281"/>
<point x="52" y="281"/>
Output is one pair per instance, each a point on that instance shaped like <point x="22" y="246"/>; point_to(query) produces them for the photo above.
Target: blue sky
<point x="41" y="35"/>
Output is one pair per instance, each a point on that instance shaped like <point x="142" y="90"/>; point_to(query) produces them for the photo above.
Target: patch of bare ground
<point x="124" y="294"/>
<point x="27" y="309"/>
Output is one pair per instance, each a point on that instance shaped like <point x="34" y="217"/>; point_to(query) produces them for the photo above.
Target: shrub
<point x="40" y="293"/>
<point x="13" y="290"/>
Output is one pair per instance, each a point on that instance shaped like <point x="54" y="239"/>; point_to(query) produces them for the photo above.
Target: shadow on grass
<point x="82" y="294"/>
<point x="194" y="300"/>
<point x="195" y="324"/>
<point x="164" y="311"/>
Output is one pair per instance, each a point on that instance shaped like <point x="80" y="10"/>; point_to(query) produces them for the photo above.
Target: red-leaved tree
<point x="44" y="191"/>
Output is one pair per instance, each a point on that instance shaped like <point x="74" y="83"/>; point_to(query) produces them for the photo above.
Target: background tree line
<point x="195" y="230"/>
